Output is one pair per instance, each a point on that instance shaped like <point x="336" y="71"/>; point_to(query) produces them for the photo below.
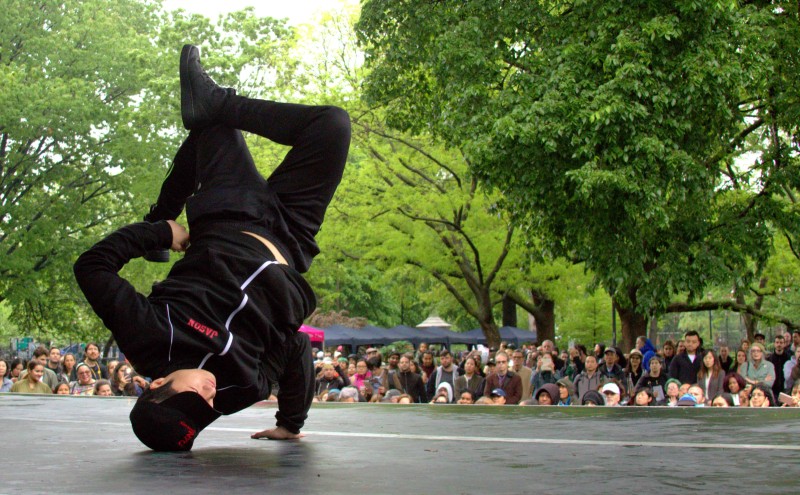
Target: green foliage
<point x="612" y="128"/>
<point x="89" y="112"/>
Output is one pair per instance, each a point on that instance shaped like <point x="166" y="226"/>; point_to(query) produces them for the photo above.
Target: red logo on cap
<point x="190" y="433"/>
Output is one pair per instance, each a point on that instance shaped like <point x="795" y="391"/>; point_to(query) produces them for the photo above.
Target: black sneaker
<point x="201" y="97"/>
<point x="156" y="255"/>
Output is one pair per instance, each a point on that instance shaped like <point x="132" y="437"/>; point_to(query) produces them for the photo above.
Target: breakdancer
<point x="224" y="323"/>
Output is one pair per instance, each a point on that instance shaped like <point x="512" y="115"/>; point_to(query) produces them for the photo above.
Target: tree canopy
<point x="616" y="129"/>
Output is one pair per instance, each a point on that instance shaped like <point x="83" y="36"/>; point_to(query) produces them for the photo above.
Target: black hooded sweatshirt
<point x="227" y="307"/>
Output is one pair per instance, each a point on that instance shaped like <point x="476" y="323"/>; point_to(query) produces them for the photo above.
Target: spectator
<point x="680" y="347"/>
<point x="549" y="349"/>
<point x="761" y="395"/>
<point x="391" y="396"/>
<point x="687" y="400"/>
<point x="789" y="379"/>
<point x="54" y="364"/>
<point x="593" y="398"/>
<point x="122" y="383"/>
<point x="497" y="397"/>
<point x="634" y="370"/>
<point x="547" y="395"/>
<point x="654" y="379"/>
<point x="741" y="361"/>
<point x="404" y="399"/>
<point x="466" y="397"/>
<point x="41" y="355"/>
<point x="380" y="375"/>
<point x="723" y="400"/>
<point x="685" y="365"/>
<point x="795" y="396"/>
<point x="760" y="338"/>
<point x="648" y="350"/>
<point x="523" y="371"/>
<point x="745" y="346"/>
<point x="795" y="339"/>
<point x="779" y="357"/>
<point x="408" y="382"/>
<point x="444" y="394"/>
<point x="744" y="398"/>
<point x="673" y="388"/>
<point x="446" y="372"/>
<point x="16" y="369"/>
<point x="62" y="389"/>
<point x="545" y="372"/>
<point x="668" y="350"/>
<point x="349" y="394"/>
<point x="470" y="381"/>
<point x="697" y="392"/>
<point x="90" y="359"/>
<point x="644" y="397"/>
<point x="32" y="383"/>
<point x="427" y="365"/>
<point x="102" y="388"/>
<point x="68" y="366"/>
<point x="711" y="378"/>
<point x="566" y="392"/>
<point x="328" y="379"/>
<point x="361" y="376"/>
<point x="733" y="384"/>
<point x="589" y="378"/>
<point x="84" y="385"/>
<point x="758" y="369"/>
<point x="392" y="360"/>
<point x="504" y="379"/>
<point x="610" y="370"/>
<point x="599" y="351"/>
<point x="4" y="373"/>
<point x="726" y="361"/>
<point x="612" y="394"/>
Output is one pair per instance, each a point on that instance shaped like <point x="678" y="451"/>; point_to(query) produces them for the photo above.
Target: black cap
<point x="173" y="424"/>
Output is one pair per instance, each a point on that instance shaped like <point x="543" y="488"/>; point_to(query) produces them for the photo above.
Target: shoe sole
<point x="187" y="98"/>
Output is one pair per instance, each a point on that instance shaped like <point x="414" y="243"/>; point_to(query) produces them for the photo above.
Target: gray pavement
<point x="54" y="444"/>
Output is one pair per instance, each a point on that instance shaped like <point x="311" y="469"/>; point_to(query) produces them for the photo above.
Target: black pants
<point x="214" y="176"/>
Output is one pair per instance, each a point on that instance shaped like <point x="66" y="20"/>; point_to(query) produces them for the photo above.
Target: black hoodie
<point x="226" y="307"/>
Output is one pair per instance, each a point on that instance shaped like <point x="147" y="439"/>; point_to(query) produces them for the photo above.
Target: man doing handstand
<point x="224" y="323"/>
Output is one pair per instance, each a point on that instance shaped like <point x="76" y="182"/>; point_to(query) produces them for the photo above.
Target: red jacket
<point x="512" y="385"/>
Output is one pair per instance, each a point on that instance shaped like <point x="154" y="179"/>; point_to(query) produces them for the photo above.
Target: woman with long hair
<point x="68" y="364"/>
<point x="710" y="377"/>
<point x="32" y="383"/>
<point x="634" y="371"/>
<point x="6" y="384"/>
<point x="761" y="396"/>
<point x="122" y="381"/>
<point x="15" y="369"/>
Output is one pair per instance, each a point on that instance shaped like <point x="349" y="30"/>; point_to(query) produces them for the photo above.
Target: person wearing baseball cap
<point x="223" y="326"/>
<point x="498" y="396"/>
<point x="611" y="393"/>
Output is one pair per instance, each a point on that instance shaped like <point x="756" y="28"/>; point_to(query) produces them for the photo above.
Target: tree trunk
<point x="633" y="325"/>
<point x="509" y="312"/>
<point x="653" y="333"/>
<point x="545" y="316"/>
<point x="750" y="322"/>
<point x="491" y="333"/>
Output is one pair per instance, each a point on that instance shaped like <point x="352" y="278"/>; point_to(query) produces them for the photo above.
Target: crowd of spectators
<point x="682" y="373"/>
<point x="50" y="372"/>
